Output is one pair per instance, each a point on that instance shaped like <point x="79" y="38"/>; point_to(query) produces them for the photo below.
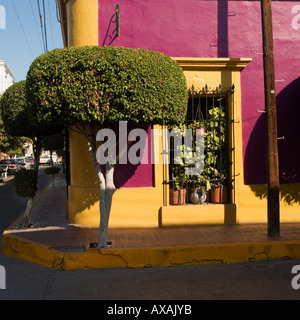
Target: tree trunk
<point x="28" y="212"/>
<point x="37" y="152"/>
<point x="51" y="159"/>
<point x="107" y="189"/>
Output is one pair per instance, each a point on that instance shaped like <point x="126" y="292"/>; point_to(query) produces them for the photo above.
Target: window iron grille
<point x="210" y="113"/>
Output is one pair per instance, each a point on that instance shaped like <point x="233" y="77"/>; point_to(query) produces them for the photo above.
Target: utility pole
<point x="271" y="121"/>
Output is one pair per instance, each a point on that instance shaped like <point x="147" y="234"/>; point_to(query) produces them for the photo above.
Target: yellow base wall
<point x="196" y="215"/>
<point x="130" y="208"/>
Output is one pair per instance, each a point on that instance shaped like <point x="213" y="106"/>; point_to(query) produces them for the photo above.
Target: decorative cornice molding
<point x="212" y="63"/>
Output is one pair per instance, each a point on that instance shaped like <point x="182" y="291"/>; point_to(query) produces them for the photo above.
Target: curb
<point x="80" y="259"/>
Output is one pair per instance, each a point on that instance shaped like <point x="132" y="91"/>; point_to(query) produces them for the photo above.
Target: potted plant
<point x="178" y="179"/>
<point x="198" y="127"/>
<point x="219" y="192"/>
<point x="177" y="193"/>
<point x="197" y="189"/>
<point x="216" y="157"/>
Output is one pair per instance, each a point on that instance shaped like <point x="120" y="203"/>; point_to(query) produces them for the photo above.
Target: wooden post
<point x="271" y="121"/>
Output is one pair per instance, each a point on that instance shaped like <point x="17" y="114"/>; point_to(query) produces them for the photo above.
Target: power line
<point x="22" y="29"/>
<point x="41" y="21"/>
<point x="51" y="28"/>
<point x="45" y="25"/>
<point x="36" y="27"/>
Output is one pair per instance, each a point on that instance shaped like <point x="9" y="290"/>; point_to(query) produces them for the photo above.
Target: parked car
<point x="3" y="173"/>
<point x="45" y="160"/>
<point x="31" y="160"/>
<point x="24" y="163"/>
<point x="12" y="165"/>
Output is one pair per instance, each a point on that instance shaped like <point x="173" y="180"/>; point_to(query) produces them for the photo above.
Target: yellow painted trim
<point x="18" y="247"/>
<point x="213" y="63"/>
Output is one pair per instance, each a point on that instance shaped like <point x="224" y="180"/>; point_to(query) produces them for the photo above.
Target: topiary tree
<point x="90" y="86"/>
<point x="25" y="184"/>
<point x="20" y="119"/>
<point x="52" y="170"/>
<point x="9" y="142"/>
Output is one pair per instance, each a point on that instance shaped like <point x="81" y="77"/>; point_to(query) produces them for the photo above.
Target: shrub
<point x="52" y="170"/>
<point x="107" y="85"/>
<point x="25" y="183"/>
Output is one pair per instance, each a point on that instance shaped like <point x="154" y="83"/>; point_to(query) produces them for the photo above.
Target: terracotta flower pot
<point x="219" y="194"/>
<point x="177" y="197"/>
<point x="199" y="131"/>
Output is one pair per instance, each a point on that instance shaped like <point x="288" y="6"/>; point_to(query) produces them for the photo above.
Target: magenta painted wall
<point x="135" y="176"/>
<point x="225" y="28"/>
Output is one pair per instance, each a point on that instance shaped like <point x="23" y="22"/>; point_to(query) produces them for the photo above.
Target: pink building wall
<point x="225" y="28"/>
<point x="140" y="175"/>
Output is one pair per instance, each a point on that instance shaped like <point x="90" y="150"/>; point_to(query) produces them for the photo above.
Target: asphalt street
<point x="244" y="281"/>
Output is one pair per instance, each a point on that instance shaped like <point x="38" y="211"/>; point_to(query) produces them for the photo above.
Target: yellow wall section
<point x="131" y="207"/>
<point x="82" y="22"/>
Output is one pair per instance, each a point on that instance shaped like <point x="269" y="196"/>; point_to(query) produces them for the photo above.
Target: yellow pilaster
<point x="82" y="22"/>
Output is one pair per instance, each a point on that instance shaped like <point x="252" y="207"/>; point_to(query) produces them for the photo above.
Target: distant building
<point x="7" y="78"/>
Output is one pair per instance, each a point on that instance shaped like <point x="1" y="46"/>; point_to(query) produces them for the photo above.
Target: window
<point x="210" y="115"/>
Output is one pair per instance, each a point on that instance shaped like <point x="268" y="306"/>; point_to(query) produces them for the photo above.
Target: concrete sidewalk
<point x="54" y="243"/>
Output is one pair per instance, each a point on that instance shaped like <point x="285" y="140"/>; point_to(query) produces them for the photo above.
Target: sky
<point x="21" y="39"/>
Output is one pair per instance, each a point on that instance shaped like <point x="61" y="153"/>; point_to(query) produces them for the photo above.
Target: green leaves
<point x="12" y="106"/>
<point x="107" y="84"/>
<point x="25" y="183"/>
<point x="52" y="170"/>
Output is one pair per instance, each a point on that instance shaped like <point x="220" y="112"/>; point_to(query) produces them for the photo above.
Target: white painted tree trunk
<point x="28" y="211"/>
<point x="107" y="189"/>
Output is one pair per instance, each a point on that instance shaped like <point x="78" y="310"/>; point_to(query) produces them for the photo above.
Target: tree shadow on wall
<point x="288" y="121"/>
<point x="124" y="173"/>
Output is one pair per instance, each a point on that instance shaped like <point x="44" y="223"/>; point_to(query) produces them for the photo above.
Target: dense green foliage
<point x="25" y="183"/>
<point x="19" y="117"/>
<point x="13" y="103"/>
<point x="55" y="142"/>
<point x="52" y="170"/>
<point x="215" y="157"/>
<point x="107" y="85"/>
<point x="11" y="126"/>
